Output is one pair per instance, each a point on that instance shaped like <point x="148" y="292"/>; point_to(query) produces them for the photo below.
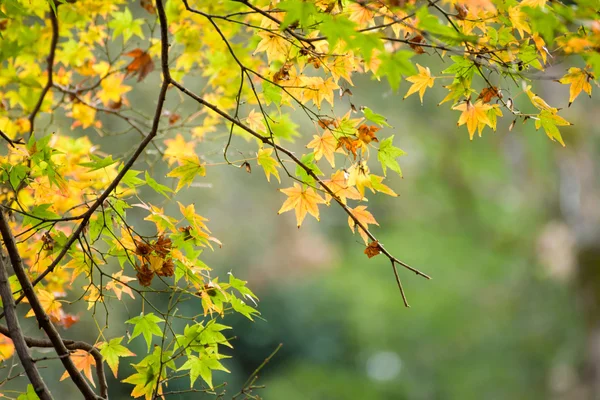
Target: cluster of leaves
<point x="259" y="62"/>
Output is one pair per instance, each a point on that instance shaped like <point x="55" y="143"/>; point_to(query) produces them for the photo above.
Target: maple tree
<point x="76" y="65"/>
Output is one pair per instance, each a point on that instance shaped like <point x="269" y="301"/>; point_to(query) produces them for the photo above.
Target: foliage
<point x="78" y="64"/>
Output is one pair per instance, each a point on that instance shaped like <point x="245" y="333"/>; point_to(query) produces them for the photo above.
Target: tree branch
<point x="41" y="315"/>
<point x="71" y="345"/>
<point x="14" y="332"/>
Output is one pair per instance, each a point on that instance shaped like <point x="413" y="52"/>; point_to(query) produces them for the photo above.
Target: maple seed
<point x="373" y="249"/>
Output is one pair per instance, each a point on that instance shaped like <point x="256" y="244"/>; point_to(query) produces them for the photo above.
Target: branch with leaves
<point x="234" y="77"/>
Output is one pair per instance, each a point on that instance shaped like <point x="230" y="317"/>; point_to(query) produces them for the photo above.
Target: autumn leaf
<point x="488" y="93"/>
<point x="473" y="115"/>
<point x="141" y="65"/>
<point x="7" y="348"/>
<point x="178" y="148"/>
<point x="359" y="176"/>
<point x="349" y="144"/>
<point x="302" y="201"/>
<point x="83" y="362"/>
<point x="579" y="80"/>
<point x="189" y="169"/>
<point x="363" y="216"/>
<point x="324" y="145"/>
<point x="111" y="352"/>
<point x="118" y="284"/>
<point x="366" y="133"/>
<point x="538" y="102"/>
<point x="420" y="82"/>
<point x="50" y="305"/>
<point x="112" y="90"/>
<point x="373" y="249"/>
<point x="338" y="184"/>
<point x="268" y="163"/>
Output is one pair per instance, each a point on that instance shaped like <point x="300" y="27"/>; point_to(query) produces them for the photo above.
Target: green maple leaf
<point x="111" y="351"/>
<point x="190" y="169"/>
<point x="268" y="163"/>
<point x="146" y="325"/>
<point x="387" y="155"/>
<point x="124" y="24"/>
<point x="202" y="367"/>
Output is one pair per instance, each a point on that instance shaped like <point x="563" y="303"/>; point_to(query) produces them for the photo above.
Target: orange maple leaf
<point x="364" y="217"/>
<point x="83" y="362"/>
<point x="324" y="145"/>
<point x="302" y="201"/>
<point x="373" y="249"/>
<point x="340" y="187"/>
<point x="488" y="93"/>
<point x="366" y="133"/>
<point x="141" y="65"/>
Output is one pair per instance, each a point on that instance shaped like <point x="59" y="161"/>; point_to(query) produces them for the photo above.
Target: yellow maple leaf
<point x="179" y="149"/>
<point x="533" y="3"/>
<point x="274" y="44"/>
<point x="420" y="82"/>
<point x="318" y="89"/>
<point x="518" y="20"/>
<point x="302" y="201"/>
<point x="256" y="121"/>
<point x="83" y="362"/>
<point x="365" y="218"/>
<point x="50" y="305"/>
<point x="324" y="145"/>
<point x="84" y="115"/>
<point x="340" y="187"/>
<point x="473" y="115"/>
<point x="538" y="102"/>
<point x="112" y="89"/>
<point x="359" y="176"/>
<point x="579" y="80"/>
<point x="117" y="285"/>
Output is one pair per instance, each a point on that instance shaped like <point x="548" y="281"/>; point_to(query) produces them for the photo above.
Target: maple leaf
<point x="414" y="44"/>
<point x="324" y="145"/>
<point x="579" y="80"/>
<point x="538" y="102"/>
<point x="518" y="19"/>
<point x="111" y="352"/>
<point x="364" y="217"/>
<point x="256" y="121"/>
<point x="473" y="115"/>
<point x="178" y="148"/>
<point x="349" y="144"/>
<point x="373" y="249"/>
<point x="117" y="285"/>
<point x="302" y="201"/>
<point x="488" y="93"/>
<point x="83" y="362"/>
<point x="274" y="44"/>
<point x="190" y="168"/>
<point x="549" y="121"/>
<point x="387" y="155"/>
<point x="112" y="90"/>
<point x="50" y="305"/>
<point x="366" y="133"/>
<point x="202" y="367"/>
<point x="268" y="163"/>
<point x="377" y="185"/>
<point x="7" y="348"/>
<point x="338" y="184"/>
<point x="146" y="325"/>
<point x="359" y="176"/>
<point x="141" y="65"/>
<point x="420" y="82"/>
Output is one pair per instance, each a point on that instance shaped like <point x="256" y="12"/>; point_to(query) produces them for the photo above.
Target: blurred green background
<point x="505" y="224"/>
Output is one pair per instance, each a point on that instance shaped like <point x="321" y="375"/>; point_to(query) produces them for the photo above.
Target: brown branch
<point x="71" y="345"/>
<point x="49" y="71"/>
<point x="41" y="315"/>
<point x="14" y="332"/>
